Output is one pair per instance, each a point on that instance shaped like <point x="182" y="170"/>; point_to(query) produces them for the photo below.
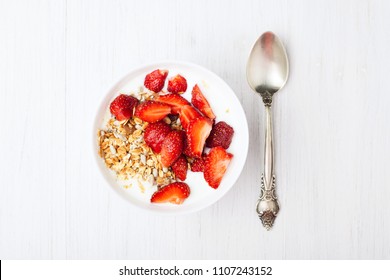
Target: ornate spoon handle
<point x="267" y="206"/>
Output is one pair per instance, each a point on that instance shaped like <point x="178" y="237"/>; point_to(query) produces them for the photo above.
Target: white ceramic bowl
<point x="226" y="107"/>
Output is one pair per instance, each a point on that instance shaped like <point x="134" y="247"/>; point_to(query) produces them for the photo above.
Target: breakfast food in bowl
<point x="157" y="136"/>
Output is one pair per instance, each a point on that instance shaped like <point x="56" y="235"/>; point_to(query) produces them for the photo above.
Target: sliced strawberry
<point x="155" y="80"/>
<point x="197" y="165"/>
<point x="122" y="107"/>
<point x="174" y="193"/>
<point x="180" y="167"/>
<point x="186" y="151"/>
<point x="201" y="103"/>
<point x="174" y="100"/>
<point x="172" y="147"/>
<point x="155" y="134"/>
<point x="215" y="166"/>
<point x="187" y="114"/>
<point x="152" y="111"/>
<point x="177" y="84"/>
<point x="197" y="132"/>
<point x="221" y="135"/>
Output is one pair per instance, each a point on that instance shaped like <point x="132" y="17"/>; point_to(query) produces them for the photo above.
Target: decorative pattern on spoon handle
<point x="267" y="206"/>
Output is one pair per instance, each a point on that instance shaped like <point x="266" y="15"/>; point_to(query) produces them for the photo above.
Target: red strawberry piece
<point x="186" y="150"/>
<point x="180" y="167"/>
<point x="221" y="135"/>
<point x="197" y="132"/>
<point x="152" y="111"/>
<point x="174" y="193"/>
<point x="155" y="134"/>
<point x="155" y="80"/>
<point x="122" y="107"/>
<point x="215" y="165"/>
<point x="201" y="103"/>
<point x="177" y="84"/>
<point x="197" y="165"/>
<point x="187" y="114"/>
<point x="174" y="100"/>
<point x="172" y="147"/>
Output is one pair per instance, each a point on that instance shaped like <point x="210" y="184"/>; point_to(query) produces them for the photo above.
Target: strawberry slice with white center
<point x="197" y="132"/>
<point x="215" y="166"/>
<point x="174" y="100"/>
<point x="173" y="193"/>
<point x="201" y="103"/>
<point x="152" y="111"/>
<point x="187" y="114"/>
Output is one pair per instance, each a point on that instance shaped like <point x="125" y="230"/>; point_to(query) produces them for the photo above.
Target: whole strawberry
<point x="155" y="80"/>
<point x="220" y="135"/>
<point x="122" y="107"/>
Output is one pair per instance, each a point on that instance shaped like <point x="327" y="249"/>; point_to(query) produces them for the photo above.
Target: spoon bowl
<point x="267" y="68"/>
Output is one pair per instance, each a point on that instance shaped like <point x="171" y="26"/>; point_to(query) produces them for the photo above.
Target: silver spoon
<point x="267" y="72"/>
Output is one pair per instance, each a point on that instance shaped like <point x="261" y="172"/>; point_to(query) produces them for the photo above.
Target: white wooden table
<point x="332" y="128"/>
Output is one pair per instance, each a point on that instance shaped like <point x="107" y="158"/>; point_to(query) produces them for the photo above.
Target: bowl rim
<point x="102" y="171"/>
